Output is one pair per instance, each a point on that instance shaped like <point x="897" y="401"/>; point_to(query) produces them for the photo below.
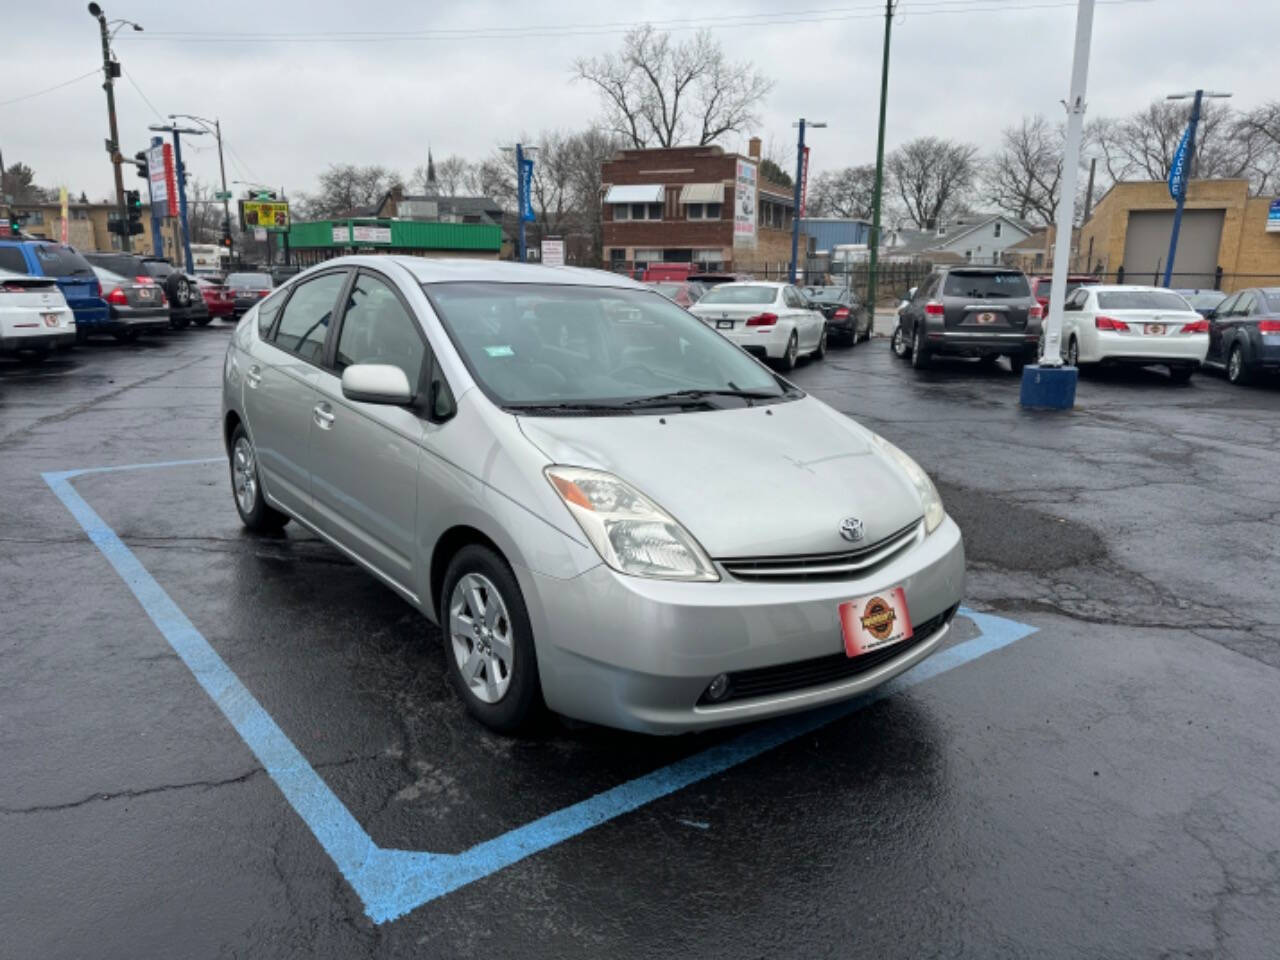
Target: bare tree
<point x="204" y="213"/>
<point x="932" y="177"/>
<point x="451" y="177"/>
<point x="843" y="193"/>
<point x="659" y="92"/>
<point x="1024" y="177"/>
<point x="347" y="190"/>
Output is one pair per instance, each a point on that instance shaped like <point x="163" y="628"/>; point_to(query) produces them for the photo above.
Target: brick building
<point x="1223" y="228"/>
<point x="695" y="205"/>
<point x="87" y="225"/>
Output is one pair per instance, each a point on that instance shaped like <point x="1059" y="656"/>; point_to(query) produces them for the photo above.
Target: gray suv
<point x="968" y="311"/>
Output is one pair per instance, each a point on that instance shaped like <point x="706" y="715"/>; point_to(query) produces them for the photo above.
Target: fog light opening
<point x="719" y="688"/>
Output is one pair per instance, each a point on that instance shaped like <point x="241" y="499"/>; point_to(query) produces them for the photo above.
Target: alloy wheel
<point x="480" y="632"/>
<point x="244" y="469"/>
<point x="1235" y="365"/>
<point x="899" y="342"/>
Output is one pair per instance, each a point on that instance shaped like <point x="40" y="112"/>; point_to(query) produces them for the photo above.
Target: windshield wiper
<point x="565" y="406"/>
<point x="677" y="396"/>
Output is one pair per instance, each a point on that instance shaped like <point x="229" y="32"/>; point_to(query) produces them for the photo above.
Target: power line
<point x="919" y="8"/>
<point x="56" y="86"/>
<point x="133" y="83"/>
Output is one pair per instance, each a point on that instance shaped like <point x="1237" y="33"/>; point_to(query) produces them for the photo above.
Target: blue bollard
<point x="1048" y="388"/>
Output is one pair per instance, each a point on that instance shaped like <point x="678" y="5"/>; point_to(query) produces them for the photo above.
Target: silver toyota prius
<point x="610" y="510"/>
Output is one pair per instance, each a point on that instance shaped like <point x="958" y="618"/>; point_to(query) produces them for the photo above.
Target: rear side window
<point x="267" y="311"/>
<point x="1140" y="300"/>
<point x="124" y="265"/>
<point x="58" y="261"/>
<point x="11" y="258"/>
<point x="985" y="285"/>
<point x="306" y="318"/>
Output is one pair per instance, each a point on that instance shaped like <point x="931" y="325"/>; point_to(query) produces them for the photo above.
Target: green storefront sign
<point x="395" y="235"/>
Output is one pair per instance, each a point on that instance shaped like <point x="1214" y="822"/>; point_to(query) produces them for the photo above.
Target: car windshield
<point x="257" y="281"/>
<point x="985" y="285"/>
<point x="667" y="289"/>
<point x="1141" y="300"/>
<point x="107" y="278"/>
<point x="584" y="347"/>
<point x="731" y="293"/>
<point x="59" y="261"/>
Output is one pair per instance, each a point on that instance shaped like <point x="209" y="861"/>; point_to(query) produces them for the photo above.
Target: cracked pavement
<point x="1105" y="787"/>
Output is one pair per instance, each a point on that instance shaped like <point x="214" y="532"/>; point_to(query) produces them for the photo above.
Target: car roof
<point x="979" y="268"/>
<point x="753" y="283"/>
<point x="431" y="270"/>
<point x="1115" y="287"/>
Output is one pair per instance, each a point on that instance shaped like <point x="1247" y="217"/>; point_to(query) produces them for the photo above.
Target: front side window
<point x="1244" y="306"/>
<point x="377" y="328"/>
<point x="267" y="311"/>
<point x="569" y="347"/>
<point x="307" y="315"/>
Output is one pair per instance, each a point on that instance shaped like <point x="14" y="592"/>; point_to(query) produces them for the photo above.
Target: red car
<point x="1040" y="287"/>
<point x="217" y="297"/>
<point x="681" y="292"/>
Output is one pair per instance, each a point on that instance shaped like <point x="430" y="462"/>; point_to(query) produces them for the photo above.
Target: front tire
<point x="1237" y="370"/>
<point x="788" y="361"/>
<point x="488" y="641"/>
<point x="898" y="343"/>
<point x="821" y="350"/>
<point x="246" y="487"/>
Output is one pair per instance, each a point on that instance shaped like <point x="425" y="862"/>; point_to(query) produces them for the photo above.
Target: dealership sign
<point x="161" y="180"/>
<point x="553" y="252"/>
<point x="744" y="204"/>
<point x="1273" y="217"/>
<point x="371" y="234"/>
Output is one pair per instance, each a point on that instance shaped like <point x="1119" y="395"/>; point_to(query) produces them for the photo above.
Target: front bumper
<point x="638" y="654"/>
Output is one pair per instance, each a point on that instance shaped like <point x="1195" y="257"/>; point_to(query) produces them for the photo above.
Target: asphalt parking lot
<point x="1089" y="769"/>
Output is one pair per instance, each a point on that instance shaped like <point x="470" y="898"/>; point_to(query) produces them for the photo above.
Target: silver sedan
<point x="609" y="509"/>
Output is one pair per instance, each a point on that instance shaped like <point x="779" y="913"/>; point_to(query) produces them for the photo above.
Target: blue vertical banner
<point x="526" y="192"/>
<point x="1181" y="163"/>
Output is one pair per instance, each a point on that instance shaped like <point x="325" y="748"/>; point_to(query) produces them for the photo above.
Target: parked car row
<point x="53" y="296"/>
<point x="989" y="312"/>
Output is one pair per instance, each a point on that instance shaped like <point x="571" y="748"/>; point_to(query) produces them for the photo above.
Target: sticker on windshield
<point x="500" y="351"/>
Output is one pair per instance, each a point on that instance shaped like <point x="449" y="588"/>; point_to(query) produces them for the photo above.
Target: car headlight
<point x="632" y="533"/>
<point x="929" y="497"/>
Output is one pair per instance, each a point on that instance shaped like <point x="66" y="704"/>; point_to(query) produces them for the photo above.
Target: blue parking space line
<point x="390" y="882"/>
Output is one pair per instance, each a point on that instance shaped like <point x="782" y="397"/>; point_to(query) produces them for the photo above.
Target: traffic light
<point x="133" y="204"/>
<point x="140" y="161"/>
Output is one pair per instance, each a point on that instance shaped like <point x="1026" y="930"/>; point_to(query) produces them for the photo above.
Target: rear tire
<point x="1073" y="353"/>
<point x="496" y="637"/>
<point x="32" y="357"/>
<point x="246" y="487"/>
<point x="920" y="358"/>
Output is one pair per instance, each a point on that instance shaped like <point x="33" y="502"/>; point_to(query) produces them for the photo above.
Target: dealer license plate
<point x="985" y="318"/>
<point x="50" y="319"/>
<point x="875" y="622"/>
<point x="724" y="324"/>
<point x="1155" y="329"/>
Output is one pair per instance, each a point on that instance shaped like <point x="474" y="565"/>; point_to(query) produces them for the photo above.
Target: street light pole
<point x="878" y="189"/>
<point x="795" y="213"/>
<point x="216" y="123"/>
<point x="110" y="70"/>
<point x="1181" y="174"/>
<point x="180" y="176"/>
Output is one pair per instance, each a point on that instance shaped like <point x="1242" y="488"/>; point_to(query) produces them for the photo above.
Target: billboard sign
<point x="744" y="204"/>
<point x="370" y="234"/>
<point x="161" y="181"/>
<point x="268" y="214"/>
<point x="1273" y="217"/>
<point x="553" y="253"/>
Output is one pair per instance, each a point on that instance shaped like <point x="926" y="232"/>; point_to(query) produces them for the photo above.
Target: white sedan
<point x="769" y="320"/>
<point x="1133" y="325"/>
<point x="34" y="316"/>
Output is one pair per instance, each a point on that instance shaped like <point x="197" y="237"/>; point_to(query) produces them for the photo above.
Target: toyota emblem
<point x="851" y="529"/>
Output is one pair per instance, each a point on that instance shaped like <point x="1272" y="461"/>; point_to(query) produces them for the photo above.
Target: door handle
<point x="253" y="376"/>
<point x="323" y="414"/>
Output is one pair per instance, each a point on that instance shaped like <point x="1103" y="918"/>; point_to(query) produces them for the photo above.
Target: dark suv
<point x="967" y="311"/>
<point x="186" y="305"/>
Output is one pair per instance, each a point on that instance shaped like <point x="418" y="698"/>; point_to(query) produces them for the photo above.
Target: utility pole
<point x="1182" y="171"/>
<point x="795" y="214"/>
<point x="111" y="70"/>
<point x="878" y="191"/>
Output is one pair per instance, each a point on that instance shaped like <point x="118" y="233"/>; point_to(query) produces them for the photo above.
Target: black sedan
<point x="847" y="319"/>
<point x="248" y="289"/>
<point x="1244" y="334"/>
<point x="137" y="304"/>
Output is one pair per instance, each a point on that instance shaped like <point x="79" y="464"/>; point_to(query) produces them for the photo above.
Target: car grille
<point x="826" y="566"/>
<point x="771" y="681"/>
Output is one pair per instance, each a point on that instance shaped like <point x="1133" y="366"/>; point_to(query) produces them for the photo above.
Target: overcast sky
<point x="959" y="68"/>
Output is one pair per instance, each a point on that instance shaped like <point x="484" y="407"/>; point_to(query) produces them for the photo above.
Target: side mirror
<point x="376" y="383"/>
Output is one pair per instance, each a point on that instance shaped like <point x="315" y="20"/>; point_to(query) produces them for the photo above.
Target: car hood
<point x="772" y="480"/>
